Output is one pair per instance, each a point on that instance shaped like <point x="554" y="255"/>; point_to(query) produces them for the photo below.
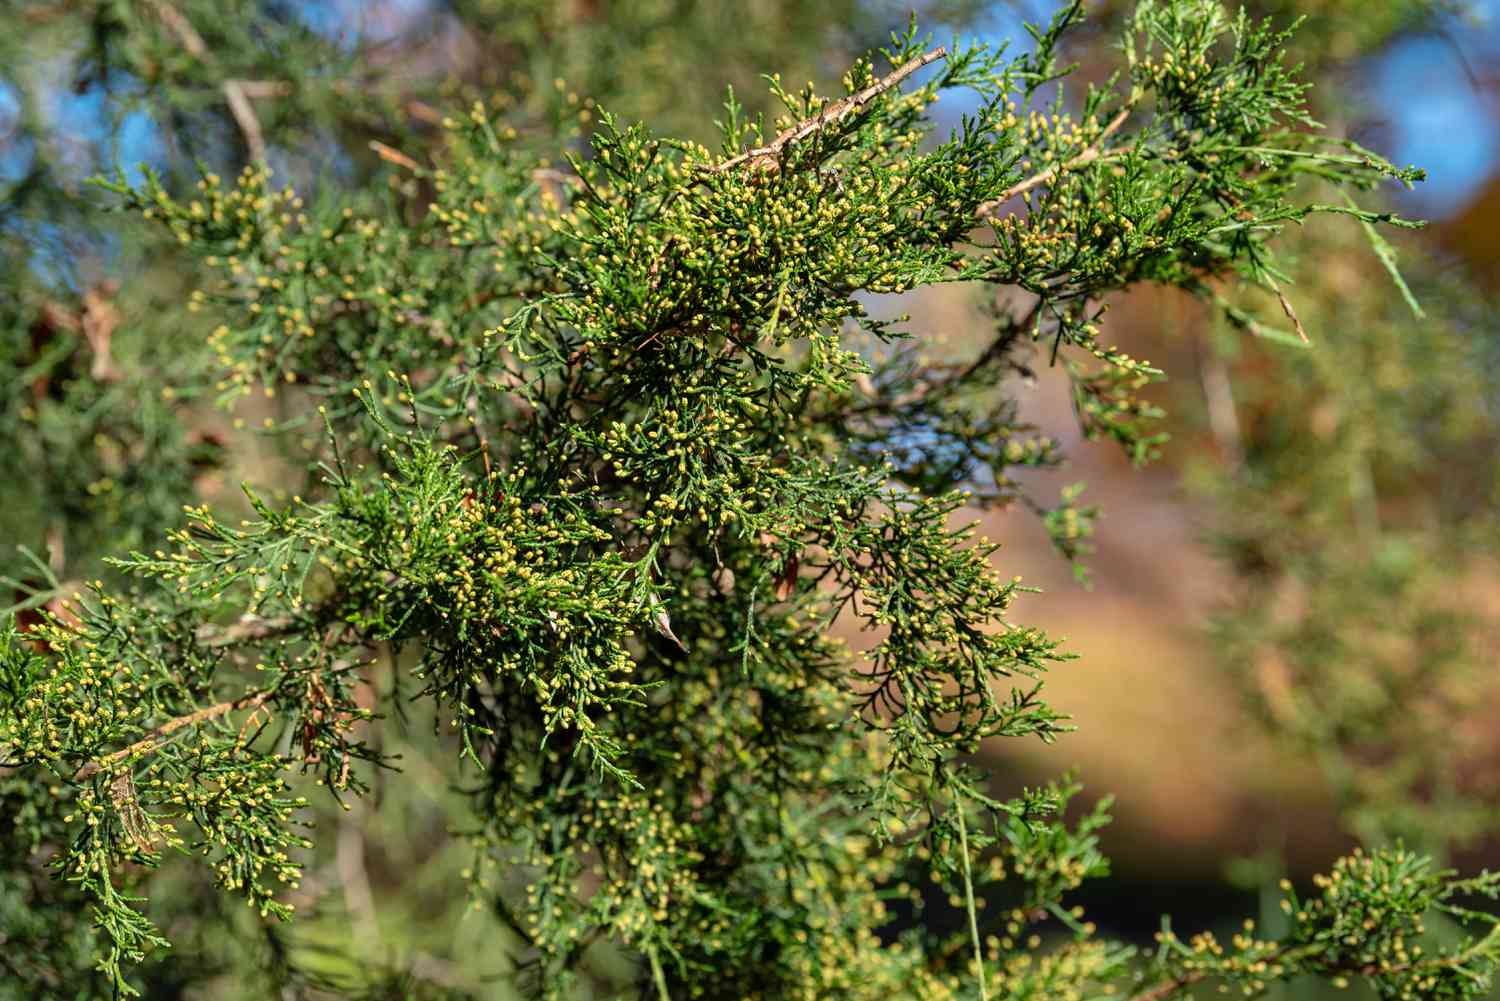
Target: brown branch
<point x="1167" y="988"/>
<point x="548" y="177"/>
<point x="154" y="738"/>
<point x="244" y="114"/>
<point x="424" y="112"/>
<point x="256" y="89"/>
<point x="392" y="155"/>
<point x="249" y="627"/>
<point x="237" y="93"/>
<point x="1286" y="307"/>
<point x="1094" y="151"/>
<point x="180" y="26"/>
<point x="835" y="112"/>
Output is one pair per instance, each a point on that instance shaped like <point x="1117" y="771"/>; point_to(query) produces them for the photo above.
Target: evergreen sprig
<point x="607" y="452"/>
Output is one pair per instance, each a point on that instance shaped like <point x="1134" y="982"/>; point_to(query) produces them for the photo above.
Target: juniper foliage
<point x="1352" y="493"/>
<point x="1382" y="570"/>
<point x="601" y="456"/>
<point x="106" y="400"/>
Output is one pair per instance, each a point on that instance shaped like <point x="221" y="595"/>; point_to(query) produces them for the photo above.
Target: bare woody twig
<point x="244" y="114"/>
<point x="180" y="26"/>
<point x="548" y="177"/>
<point x="1167" y="988"/>
<point x="841" y="109"/>
<point x="250" y="700"/>
<point x="392" y="155"/>
<point x="1286" y="307"/>
<point x="256" y="89"/>
<point x="237" y="93"/>
<point x="249" y="627"/>
<point x="1094" y="151"/>
<point x="835" y="112"/>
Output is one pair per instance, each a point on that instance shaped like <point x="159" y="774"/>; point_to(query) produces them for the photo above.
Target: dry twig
<point x="1094" y="152"/>
<point x="1167" y="988"/>
<point x="249" y="627"/>
<point x="392" y="155"/>
<point x="1286" y="307"/>
<point x="237" y="93"/>
<point x="250" y="700"/>
<point x="835" y="112"/>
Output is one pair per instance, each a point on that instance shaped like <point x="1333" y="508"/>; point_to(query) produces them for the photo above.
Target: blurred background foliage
<point x="1290" y="644"/>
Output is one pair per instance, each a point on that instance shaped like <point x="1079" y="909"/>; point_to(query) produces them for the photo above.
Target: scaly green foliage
<point x="1353" y="552"/>
<point x="603" y="454"/>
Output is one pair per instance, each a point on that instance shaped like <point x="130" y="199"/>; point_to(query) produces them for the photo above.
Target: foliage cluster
<point x="1362" y="531"/>
<point x="598" y="455"/>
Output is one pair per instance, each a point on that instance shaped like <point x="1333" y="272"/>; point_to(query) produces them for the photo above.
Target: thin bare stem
<point x="1167" y="988"/>
<point x="835" y="112"/>
<point x="154" y="738"/>
<point x="1286" y="307"/>
<point x="392" y="155"/>
<point x="237" y="93"/>
<point x="244" y="114"/>
<point x="249" y="627"/>
<point x="1094" y="151"/>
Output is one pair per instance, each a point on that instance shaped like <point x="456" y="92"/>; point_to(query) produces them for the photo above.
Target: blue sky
<point x="1438" y="116"/>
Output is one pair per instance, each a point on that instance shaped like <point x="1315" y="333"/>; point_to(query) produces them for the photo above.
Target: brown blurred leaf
<point x="787" y="582"/>
<point x="99" y="319"/>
